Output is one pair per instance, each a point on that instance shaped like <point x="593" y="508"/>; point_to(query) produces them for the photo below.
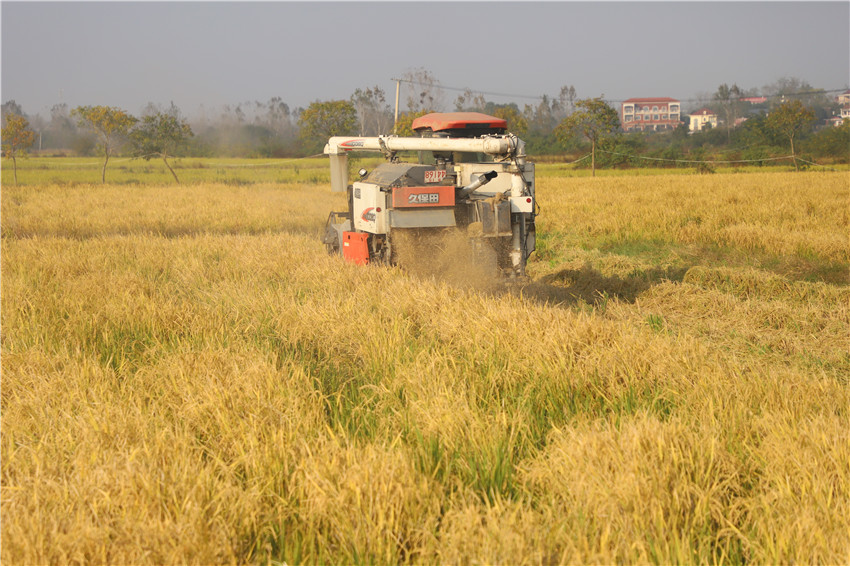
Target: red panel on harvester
<point x="415" y="197"/>
<point x="355" y="247"/>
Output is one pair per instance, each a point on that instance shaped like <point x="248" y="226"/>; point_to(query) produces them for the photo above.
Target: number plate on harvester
<point x="435" y="176"/>
<point x="406" y="197"/>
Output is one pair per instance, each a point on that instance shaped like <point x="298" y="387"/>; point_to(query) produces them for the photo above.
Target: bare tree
<point x="423" y="91"/>
<point x="278" y="116"/>
<point x="11" y="108"/>
<point x="564" y="104"/>
<point x="728" y="97"/>
<point x="470" y="101"/>
<point x="373" y="113"/>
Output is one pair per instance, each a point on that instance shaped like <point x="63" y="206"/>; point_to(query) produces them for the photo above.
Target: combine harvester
<point x="471" y="176"/>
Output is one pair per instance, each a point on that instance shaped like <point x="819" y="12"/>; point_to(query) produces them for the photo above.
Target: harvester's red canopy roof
<point x="439" y="121"/>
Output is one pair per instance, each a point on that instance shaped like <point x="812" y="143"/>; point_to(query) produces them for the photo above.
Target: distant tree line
<point x="109" y="130"/>
<point x="560" y="125"/>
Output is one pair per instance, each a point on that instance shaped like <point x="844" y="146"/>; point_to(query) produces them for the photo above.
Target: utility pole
<point x="395" y="120"/>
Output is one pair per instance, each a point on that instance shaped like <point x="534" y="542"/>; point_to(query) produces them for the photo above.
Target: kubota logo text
<point x="423" y="198"/>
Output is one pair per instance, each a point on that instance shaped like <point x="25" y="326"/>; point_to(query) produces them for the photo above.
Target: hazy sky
<point x="212" y="53"/>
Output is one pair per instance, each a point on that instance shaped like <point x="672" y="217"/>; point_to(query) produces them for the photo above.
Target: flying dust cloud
<point x="448" y="255"/>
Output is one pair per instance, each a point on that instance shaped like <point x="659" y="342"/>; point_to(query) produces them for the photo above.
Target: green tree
<point x="17" y="139"/>
<point x="681" y="133"/>
<point x="832" y="142"/>
<point x="161" y="134"/>
<point x="470" y="101"/>
<point x="789" y="120"/>
<point x="593" y="119"/>
<point x="322" y="120"/>
<point x="754" y="132"/>
<point x="517" y="124"/>
<point x="404" y="126"/>
<point x="110" y="124"/>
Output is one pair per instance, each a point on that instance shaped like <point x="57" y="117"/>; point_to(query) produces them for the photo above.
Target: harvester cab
<point x="468" y="175"/>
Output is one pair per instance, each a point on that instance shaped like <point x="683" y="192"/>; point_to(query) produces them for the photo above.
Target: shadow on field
<point x="588" y="285"/>
<point x="447" y="256"/>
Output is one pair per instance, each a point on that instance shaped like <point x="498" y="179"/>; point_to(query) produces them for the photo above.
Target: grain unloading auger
<point x="470" y="176"/>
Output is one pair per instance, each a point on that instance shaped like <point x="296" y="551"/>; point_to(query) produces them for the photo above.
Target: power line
<point x="630" y="156"/>
<point x="539" y="97"/>
<point x="717" y="162"/>
<point x="464" y="89"/>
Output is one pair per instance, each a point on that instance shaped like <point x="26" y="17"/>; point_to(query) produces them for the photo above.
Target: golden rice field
<point x="187" y="377"/>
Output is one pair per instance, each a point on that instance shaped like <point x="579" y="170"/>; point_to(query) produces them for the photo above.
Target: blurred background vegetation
<point x="273" y="129"/>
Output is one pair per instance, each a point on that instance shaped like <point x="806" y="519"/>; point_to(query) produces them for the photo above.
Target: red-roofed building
<point x="650" y="114"/>
<point x="844" y="116"/>
<point x="702" y="118"/>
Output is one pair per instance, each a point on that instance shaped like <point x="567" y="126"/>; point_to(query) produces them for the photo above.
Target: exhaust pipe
<point x="477" y="184"/>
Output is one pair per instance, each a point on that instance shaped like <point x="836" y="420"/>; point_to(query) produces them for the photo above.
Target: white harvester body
<point x="481" y="184"/>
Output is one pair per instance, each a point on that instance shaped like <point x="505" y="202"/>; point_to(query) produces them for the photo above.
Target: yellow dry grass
<point x="187" y="377"/>
<point x="803" y="216"/>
